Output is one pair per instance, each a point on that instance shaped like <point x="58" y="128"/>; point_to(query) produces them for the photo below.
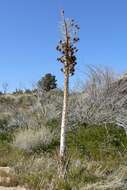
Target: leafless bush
<point x="101" y="100"/>
<point x="5" y="87"/>
<point x="121" y="119"/>
<point x="49" y="104"/>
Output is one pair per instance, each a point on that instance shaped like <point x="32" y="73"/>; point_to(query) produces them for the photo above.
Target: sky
<point x="29" y="33"/>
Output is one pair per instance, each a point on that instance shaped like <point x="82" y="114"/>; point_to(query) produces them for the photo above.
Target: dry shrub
<point x="42" y="173"/>
<point x="116" y="180"/>
<point x="31" y="139"/>
<point x="102" y="99"/>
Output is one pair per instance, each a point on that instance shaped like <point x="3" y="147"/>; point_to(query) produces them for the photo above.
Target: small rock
<point x="6" y="169"/>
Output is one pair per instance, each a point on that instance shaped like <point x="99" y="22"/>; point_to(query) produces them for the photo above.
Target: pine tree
<point x="48" y="82"/>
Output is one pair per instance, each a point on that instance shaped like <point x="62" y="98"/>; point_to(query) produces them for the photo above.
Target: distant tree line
<point x="46" y="83"/>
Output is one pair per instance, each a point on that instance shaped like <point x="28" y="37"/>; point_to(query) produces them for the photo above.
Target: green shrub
<point x="9" y="156"/>
<point x="98" y="142"/>
<point x="5" y="131"/>
<point x="96" y="154"/>
<point x="53" y="125"/>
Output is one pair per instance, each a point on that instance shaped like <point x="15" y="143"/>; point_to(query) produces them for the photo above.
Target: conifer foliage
<point x="48" y="82"/>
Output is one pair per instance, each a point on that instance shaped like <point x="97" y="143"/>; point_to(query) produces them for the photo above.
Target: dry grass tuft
<point x="116" y="180"/>
<point x="30" y="139"/>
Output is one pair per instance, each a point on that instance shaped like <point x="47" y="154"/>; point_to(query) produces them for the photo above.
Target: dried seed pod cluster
<point x="67" y="46"/>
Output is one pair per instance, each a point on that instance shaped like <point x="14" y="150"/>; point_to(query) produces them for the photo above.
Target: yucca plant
<point x="67" y="48"/>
